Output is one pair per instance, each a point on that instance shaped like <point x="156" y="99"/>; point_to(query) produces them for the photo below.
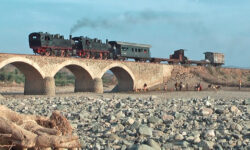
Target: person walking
<point x="240" y="84"/>
<point x="186" y="86"/>
<point x="180" y="86"/>
<point x="145" y="87"/>
<point x="176" y="86"/>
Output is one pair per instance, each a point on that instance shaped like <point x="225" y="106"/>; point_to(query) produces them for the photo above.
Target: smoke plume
<point x="116" y="22"/>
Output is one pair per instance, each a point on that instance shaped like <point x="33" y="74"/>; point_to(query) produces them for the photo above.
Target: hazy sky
<point x="195" y="25"/>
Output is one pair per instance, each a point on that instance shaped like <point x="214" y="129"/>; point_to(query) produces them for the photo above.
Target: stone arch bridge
<point x="39" y="72"/>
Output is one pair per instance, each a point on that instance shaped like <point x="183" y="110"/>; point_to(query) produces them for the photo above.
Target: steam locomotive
<point x="55" y="45"/>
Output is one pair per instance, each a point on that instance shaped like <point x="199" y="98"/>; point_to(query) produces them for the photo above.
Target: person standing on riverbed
<point x="240" y="84"/>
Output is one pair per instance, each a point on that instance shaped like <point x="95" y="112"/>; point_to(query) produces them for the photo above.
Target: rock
<point x="135" y="125"/>
<point x="177" y="115"/>
<point x="97" y="146"/>
<point x="246" y="102"/>
<point x="218" y="147"/>
<point x="179" y="137"/>
<point x="208" y="104"/>
<point x="219" y="111"/>
<point x="210" y="133"/>
<point x="119" y="105"/>
<point x="234" y="109"/>
<point x="154" y="144"/>
<point x="83" y="115"/>
<point x="184" y="144"/>
<point x="129" y="121"/>
<point x="235" y="126"/>
<point x="197" y="140"/>
<point x="141" y="147"/>
<point x="124" y="147"/>
<point x="206" y="145"/>
<point x="111" y="118"/>
<point x="120" y="114"/>
<point x="206" y="111"/>
<point x="238" y="127"/>
<point x="167" y="117"/>
<point x="145" y="130"/>
<point x="190" y="138"/>
<point x="154" y="120"/>
<point x="153" y="97"/>
<point x="157" y="133"/>
<point x="127" y="143"/>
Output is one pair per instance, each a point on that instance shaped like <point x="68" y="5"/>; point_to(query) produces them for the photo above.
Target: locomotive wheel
<point x="87" y="55"/>
<point x="105" y="56"/>
<point x="62" y="53"/>
<point x="47" y="53"/>
<point x="92" y="55"/>
<point x="100" y="56"/>
<point x="52" y="53"/>
<point x="67" y="53"/>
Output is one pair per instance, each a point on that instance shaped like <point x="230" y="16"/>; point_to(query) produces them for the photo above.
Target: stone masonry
<point x="39" y="73"/>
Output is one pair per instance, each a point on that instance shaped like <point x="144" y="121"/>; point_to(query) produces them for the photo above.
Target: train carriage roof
<point x="132" y="44"/>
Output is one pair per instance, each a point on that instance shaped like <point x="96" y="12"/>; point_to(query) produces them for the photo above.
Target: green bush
<point x="16" y="76"/>
<point x="63" y="79"/>
<point x="248" y="78"/>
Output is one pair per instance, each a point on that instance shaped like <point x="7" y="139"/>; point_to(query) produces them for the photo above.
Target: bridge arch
<point x="32" y="72"/>
<point x="125" y="77"/>
<point x="83" y="75"/>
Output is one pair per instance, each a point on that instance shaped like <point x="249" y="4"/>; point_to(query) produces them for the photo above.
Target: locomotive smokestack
<point x="107" y="41"/>
<point x="70" y="37"/>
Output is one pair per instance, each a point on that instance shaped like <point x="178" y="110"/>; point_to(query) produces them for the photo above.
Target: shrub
<point x="63" y="79"/>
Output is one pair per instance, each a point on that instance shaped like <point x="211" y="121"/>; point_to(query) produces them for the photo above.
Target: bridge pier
<point x="82" y="85"/>
<point x="33" y="86"/>
<point x="49" y="86"/>
<point x="97" y="85"/>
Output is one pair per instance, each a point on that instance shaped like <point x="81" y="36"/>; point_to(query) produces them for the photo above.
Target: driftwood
<point x="29" y="131"/>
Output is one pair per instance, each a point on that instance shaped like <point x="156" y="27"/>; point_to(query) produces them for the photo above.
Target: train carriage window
<point x="34" y="37"/>
<point x="136" y="50"/>
<point x="124" y="48"/>
<point x="145" y="51"/>
<point x="132" y="49"/>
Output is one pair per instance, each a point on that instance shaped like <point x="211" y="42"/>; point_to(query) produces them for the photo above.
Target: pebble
<point x="206" y="111"/>
<point x="145" y="131"/>
<point x="148" y="122"/>
<point x="179" y="137"/>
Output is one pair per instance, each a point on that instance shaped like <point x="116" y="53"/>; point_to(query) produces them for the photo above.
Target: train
<point x="47" y="44"/>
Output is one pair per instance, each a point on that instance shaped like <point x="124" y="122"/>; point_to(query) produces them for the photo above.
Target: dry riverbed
<point x="152" y="120"/>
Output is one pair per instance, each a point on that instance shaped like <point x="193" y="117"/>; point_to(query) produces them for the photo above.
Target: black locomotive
<point x="84" y="47"/>
<point x="55" y="45"/>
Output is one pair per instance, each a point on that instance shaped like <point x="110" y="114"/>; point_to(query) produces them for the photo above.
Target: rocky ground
<point x="148" y="121"/>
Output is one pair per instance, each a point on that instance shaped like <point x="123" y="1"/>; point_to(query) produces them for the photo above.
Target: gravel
<point x="149" y="121"/>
